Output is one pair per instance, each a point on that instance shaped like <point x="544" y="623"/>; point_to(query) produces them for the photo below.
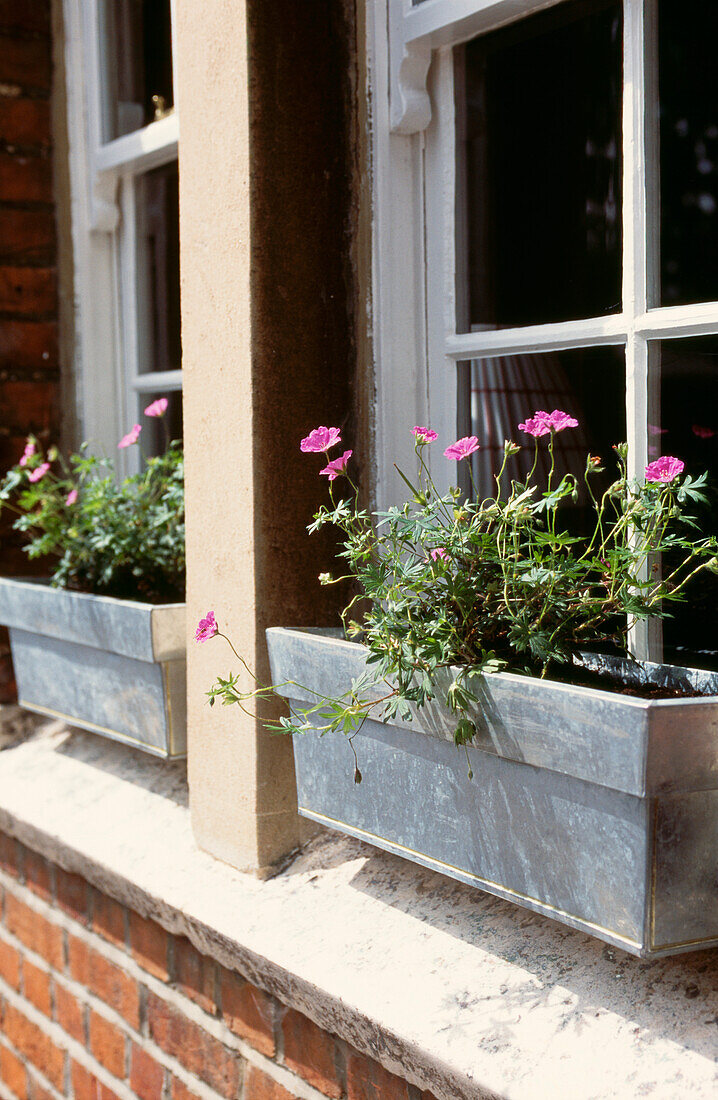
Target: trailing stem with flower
<point x="493" y="582"/>
<point x="109" y="537"/>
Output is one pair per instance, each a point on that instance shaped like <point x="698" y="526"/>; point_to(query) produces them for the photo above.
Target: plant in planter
<point x="476" y="618"/>
<point x="101" y="645"/>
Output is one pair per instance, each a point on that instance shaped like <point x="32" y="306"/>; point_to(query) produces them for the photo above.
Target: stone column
<point x="264" y="97"/>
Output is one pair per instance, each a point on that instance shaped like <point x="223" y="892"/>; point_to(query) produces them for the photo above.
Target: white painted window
<point x="457" y="94"/>
<point x="123" y="128"/>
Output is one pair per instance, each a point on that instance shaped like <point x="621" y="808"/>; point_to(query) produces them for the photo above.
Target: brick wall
<point x="28" y="279"/>
<point x="96" y="1003"/>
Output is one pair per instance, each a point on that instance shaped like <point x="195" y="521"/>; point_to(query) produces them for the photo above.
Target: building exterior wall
<point x="99" y="1003"/>
<point x="29" y="364"/>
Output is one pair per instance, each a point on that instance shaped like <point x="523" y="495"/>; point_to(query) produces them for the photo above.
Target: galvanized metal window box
<point x="117" y="667"/>
<point x="594" y="808"/>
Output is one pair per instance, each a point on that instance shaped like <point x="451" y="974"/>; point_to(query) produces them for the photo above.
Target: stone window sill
<point x="457" y="991"/>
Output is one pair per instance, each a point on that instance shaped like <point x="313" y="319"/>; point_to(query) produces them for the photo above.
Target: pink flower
<point x="559" y="420"/>
<point x="664" y="469"/>
<point x="536" y="425"/>
<point x="27" y="453"/>
<point x="206" y="628"/>
<point x="462" y="448"/>
<point x="702" y="433"/>
<point x="157" y="408"/>
<point x="337" y="466"/>
<point x="321" y="439"/>
<point x="131" y="437"/>
<point x="424" y="435"/>
<point x="71" y="498"/>
<point x="36" y="474"/>
<point x="439" y="552"/>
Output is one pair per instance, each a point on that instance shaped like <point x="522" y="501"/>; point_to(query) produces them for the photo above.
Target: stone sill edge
<point x="369" y="1036"/>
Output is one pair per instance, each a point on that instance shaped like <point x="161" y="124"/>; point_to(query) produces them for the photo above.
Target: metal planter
<point x="116" y="667"/>
<point x="599" y="810"/>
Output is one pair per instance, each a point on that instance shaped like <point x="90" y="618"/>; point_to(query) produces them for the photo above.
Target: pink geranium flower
<point x="27" y="453"/>
<point x="536" y="425"/>
<point x="664" y="469"/>
<point x="439" y="553"/>
<point x="71" y="498"/>
<point x="206" y="628"/>
<point x="157" y="408"/>
<point x="337" y="466"/>
<point x="559" y="420"/>
<point x="462" y="448"/>
<point x="39" y="472"/>
<point x="321" y="439"/>
<point x="424" y="435"/>
<point x="131" y="437"/>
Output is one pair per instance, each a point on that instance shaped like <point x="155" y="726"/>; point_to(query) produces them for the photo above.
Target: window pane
<point x="688" y="92"/>
<point x="686" y="425"/>
<point x="542" y="168"/>
<point x="138" y="63"/>
<point x="588" y="383"/>
<point x="158" y="286"/>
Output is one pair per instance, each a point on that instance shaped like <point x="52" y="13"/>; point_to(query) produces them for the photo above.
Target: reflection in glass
<point x="158" y="431"/>
<point x="138" y="63"/>
<point x="688" y="94"/>
<point x="686" y="425"/>
<point x="542" y="117"/>
<point x="158" y="284"/>
<point x="588" y="383"/>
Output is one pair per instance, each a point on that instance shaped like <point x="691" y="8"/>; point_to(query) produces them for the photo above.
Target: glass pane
<point x="138" y="63"/>
<point x="542" y="121"/>
<point x="686" y="425"/>
<point x="158" y="431"/>
<point x="688" y="93"/>
<point x="588" y="383"/>
<point x="158" y="285"/>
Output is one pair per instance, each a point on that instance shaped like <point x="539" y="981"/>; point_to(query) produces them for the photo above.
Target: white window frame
<point x="417" y="344"/>
<point x="109" y="384"/>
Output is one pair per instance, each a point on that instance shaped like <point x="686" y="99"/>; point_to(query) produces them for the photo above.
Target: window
<point x="123" y="135"/>
<point x="546" y="234"/>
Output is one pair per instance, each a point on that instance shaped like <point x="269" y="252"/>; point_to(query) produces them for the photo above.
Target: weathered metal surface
<point x="598" y="809"/>
<point x="116" y="667"/>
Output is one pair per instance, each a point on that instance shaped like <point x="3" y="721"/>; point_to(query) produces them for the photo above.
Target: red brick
<point x="107" y="1043"/>
<point x="258" y="1086"/>
<point x="197" y="1051"/>
<point x="367" y="1080"/>
<point x="108" y="919"/>
<point x="34" y="1045"/>
<point x="72" y="895"/>
<point x="31" y="15"/>
<point x="181" y="1092"/>
<point x="28" y="344"/>
<point x="146" y="1075"/>
<point x="9" y="964"/>
<point x="311" y="1053"/>
<point x="25" y="61"/>
<point x="149" y="944"/>
<point x="25" y="122"/>
<point x="87" y="1087"/>
<point x="195" y="975"/>
<point x="27" y="237"/>
<point x="105" y="980"/>
<point x="33" y="403"/>
<point x="25" y="178"/>
<point x="36" y="986"/>
<point x="28" y="290"/>
<point x="9" y="855"/>
<point x="69" y="1013"/>
<point x="13" y="1073"/>
<point x="37" y="874"/>
<point x="247" y="1011"/>
<point x="34" y="931"/>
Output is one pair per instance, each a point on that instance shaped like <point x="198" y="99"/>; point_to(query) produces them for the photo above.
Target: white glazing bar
<point x="555" y="337"/>
<point x="156" y="381"/>
<point x="448" y="22"/>
<point x="143" y="149"/>
<point x="689" y="320"/>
